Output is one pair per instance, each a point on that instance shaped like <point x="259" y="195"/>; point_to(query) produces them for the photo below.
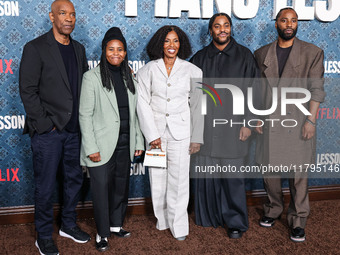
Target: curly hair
<point x="155" y="45"/>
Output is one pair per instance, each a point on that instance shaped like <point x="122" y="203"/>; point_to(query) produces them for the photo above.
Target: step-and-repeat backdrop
<point x="253" y="27"/>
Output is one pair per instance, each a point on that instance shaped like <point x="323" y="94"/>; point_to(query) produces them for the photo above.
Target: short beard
<point x="285" y="37"/>
<point x="222" y="43"/>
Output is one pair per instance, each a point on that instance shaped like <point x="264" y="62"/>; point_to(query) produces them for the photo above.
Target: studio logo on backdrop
<point x="328" y="158"/>
<point x="9" y="175"/>
<point x="328" y="113"/>
<point x="332" y="67"/>
<point x="12" y="122"/>
<point x="5" y="66"/>
<point x="326" y="11"/>
<point x="135" y="65"/>
<point x="9" y="8"/>
<point x="137" y="168"/>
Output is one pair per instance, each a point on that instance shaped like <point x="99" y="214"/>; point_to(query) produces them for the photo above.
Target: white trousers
<point x="170" y="187"/>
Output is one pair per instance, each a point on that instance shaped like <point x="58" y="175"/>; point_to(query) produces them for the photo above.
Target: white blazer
<point x="171" y="101"/>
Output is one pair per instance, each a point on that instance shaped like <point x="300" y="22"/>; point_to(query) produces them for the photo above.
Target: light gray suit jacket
<point x="99" y="120"/>
<point x="304" y="68"/>
<point x="170" y="101"/>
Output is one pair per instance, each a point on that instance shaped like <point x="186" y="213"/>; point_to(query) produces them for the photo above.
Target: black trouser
<point x="49" y="151"/>
<point x="110" y="188"/>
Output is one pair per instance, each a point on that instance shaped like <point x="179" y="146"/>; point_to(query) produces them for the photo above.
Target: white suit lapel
<point x="161" y="65"/>
<point x="176" y="66"/>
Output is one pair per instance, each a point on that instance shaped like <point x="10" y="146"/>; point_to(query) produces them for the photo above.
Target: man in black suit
<point x="51" y="72"/>
<point x="221" y="200"/>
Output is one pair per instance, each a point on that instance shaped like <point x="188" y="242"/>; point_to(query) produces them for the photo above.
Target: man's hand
<point x="259" y="128"/>
<point x="308" y="131"/>
<point x="95" y="157"/>
<point x="244" y="133"/>
<point x="194" y="148"/>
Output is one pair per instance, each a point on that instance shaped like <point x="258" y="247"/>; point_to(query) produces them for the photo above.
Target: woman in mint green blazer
<point x="110" y="135"/>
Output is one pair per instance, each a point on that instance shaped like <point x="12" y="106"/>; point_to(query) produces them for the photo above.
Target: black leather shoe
<point x="122" y="233"/>
<point x="103" y="245"/>
<point x="234" y="233"/>
<point x="298" y="235"/>
<point x="267" y="222"/>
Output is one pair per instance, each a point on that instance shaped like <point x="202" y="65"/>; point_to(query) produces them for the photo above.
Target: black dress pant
<point x="110" y="188"/>
<point x="51" y="150"/>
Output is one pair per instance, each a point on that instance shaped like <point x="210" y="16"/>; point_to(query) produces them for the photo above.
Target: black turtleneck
<point x="122" y="98"/>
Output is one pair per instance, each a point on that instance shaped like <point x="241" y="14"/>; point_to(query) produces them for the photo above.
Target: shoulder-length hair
<point x="106" y="75"/>
<point x="155" y="45"/>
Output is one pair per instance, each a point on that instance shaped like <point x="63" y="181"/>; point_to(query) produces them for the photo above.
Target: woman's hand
<point x="156" y="144"/>
<point x="95" y="157"/>
<point x="138" y="153"/>
<point x="194" y="148"/>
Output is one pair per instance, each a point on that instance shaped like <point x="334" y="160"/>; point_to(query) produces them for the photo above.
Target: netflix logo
<point x="9" y="175"/>
<point x="5" y="65"/>
<point x="328" y="113"/>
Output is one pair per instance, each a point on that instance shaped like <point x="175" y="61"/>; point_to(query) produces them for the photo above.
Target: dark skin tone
<point x="170" y="51"/>
<point x="288" y="21"/>
<point x="63" y="18"/>
<point x="115" y="54"/>
<point x="221" y="32"/>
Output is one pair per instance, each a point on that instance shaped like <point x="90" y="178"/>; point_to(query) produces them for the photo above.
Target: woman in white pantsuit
<point x="168" y="109"/>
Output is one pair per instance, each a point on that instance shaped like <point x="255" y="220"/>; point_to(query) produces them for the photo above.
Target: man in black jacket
<point x="222" y="201"/>
<point x="51" y="72"/>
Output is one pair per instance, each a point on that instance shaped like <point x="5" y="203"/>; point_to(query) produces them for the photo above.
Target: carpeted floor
<point x="322" y="237"/>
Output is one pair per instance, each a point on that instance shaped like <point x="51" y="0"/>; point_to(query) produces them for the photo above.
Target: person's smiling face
<point x="171" y="45"/>
<point x="115" y="52"/>
<point x="221" y="30"/>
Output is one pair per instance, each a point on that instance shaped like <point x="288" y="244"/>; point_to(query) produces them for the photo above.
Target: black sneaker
<point x="298" y="235"/>
<point x="46" y="247"/>
<point x="267" y="222"/>
<point x="76" y="234"/>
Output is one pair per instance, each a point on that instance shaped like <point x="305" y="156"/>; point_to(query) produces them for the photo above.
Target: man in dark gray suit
<point x="287" y="59"/>
<point x="51" y="72"/>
